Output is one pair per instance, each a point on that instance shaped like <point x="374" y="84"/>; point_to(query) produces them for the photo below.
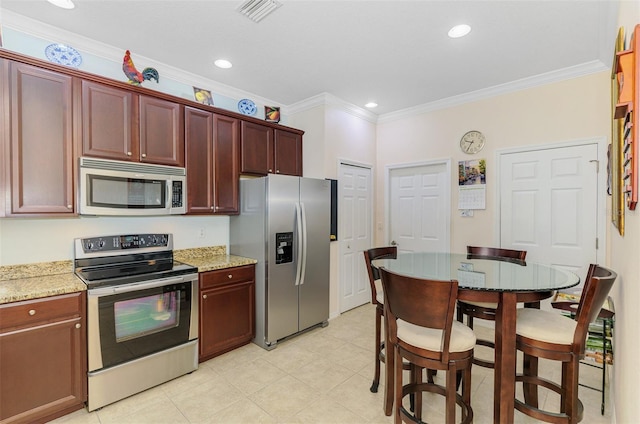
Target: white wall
<point x="564" y="111"/>
<point x="331" y="133"/>
<point x="625" y="260"/>
<point x="42" y="240"/>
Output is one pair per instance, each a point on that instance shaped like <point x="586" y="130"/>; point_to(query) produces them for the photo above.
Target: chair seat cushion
<point x="546" y="326"/>
<point x="462" y="337"/>
<point x="379" y="292"/>
<point x="487" y="305"/>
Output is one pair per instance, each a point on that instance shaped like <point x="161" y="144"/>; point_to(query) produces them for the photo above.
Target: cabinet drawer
<point x="226" y="276"/>
<point x="39" y="311"/>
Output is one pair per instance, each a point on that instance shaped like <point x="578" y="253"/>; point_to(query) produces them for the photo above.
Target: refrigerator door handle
<point x="304" y="243"/>
<point x="300" y="229"/>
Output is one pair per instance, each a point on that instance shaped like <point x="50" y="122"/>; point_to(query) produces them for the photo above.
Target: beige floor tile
<point x="284" y="398"/>
<point x="322" y="376"/>
<point x="242" y="412"/>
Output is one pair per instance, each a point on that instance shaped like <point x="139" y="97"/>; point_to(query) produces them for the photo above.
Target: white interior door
<point x="354" y="235"/>
<point x="419" y="207"/>
<point x="549" y="205"/>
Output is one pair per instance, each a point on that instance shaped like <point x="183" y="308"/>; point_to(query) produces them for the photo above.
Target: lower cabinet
<point x="43" y="351"/>
<point x="227" y="310"/>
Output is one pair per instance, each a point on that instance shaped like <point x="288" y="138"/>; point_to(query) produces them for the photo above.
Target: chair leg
<point x="398" y="385"/>
<point x="530" y="368"/>
<point x="466" y="390"/>
<point x="416" y="399"/>
<point x="570" y="384"/>
<point x="459" y="314"/>
<point x="450" y="396"/>
<point x="390" y="359"/>
<point x="376" y="376"/>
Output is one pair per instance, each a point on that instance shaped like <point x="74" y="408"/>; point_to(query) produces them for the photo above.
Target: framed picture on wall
<point x="203" y="96"/>
<point x="272" y="114"/>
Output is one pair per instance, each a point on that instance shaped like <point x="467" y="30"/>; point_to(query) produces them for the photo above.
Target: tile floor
<point x="322" y="376"/>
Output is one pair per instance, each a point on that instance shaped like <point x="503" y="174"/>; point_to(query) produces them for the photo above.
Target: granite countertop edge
<point x="38" y="280"/>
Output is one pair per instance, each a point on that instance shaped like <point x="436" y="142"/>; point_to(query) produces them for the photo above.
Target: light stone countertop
<point x="37" y="280"/>
<point x="210" y="258"/>
<point x="33" y="281"/>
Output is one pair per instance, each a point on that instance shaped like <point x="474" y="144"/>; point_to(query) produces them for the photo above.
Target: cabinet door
<point x="225" y="158"/>
<point x="288" y="152"/>
<point x="161" y="132"/>
<point x="41" y="141"/>
<point x="43" y="371"/>
<point x="256" y="151"/>
<point x="109" y="122"/>
<point x="199" y="160"/>
<point x="227" y="310"/>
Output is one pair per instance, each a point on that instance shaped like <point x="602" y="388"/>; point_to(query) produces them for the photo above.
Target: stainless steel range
<point x="142" y="314"/>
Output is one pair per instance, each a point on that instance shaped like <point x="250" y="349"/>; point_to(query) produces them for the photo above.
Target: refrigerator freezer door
<point x="283" y="193"/>
<point x="315" y="201"/>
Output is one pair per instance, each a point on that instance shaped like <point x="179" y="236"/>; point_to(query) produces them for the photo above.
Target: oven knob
<point x="101" y="243"/>
<point x="89" y="245"/>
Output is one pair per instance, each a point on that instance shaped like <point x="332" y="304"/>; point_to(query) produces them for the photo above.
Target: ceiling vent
<point x="257" y="10"/>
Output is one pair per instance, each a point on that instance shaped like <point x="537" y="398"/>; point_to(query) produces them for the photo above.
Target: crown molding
<point x="328" y="99"/>
<point x="497" y="90"/>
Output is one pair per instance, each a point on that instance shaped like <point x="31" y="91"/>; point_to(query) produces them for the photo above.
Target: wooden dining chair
<point x="421" y="330"/>
<point x="550" y="335"/>
<point x="486" y="310"/>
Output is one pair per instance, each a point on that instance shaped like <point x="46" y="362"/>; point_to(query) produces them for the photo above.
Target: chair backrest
<point x="390" y="252"/>
<point x="422" y="302"/>
<point x="479" y="252"/>
<point x="595" y="292"/>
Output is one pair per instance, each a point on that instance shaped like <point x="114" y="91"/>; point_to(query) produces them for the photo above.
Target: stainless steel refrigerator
<point x="284" y="223"/>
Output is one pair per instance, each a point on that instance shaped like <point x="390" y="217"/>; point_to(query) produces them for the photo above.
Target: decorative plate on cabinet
<point x="247" y="107"/>
<point x="63" y="55"/>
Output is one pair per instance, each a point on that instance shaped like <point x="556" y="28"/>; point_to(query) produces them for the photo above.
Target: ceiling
<point x="395" y="53"/>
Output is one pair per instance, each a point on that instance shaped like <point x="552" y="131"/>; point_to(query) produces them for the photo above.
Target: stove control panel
<point x="125" y="242"/>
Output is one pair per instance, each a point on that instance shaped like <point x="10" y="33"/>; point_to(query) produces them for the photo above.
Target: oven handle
<point x="105" y="291"/>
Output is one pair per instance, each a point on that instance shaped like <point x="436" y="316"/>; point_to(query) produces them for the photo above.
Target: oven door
<point x="131" y="321"/>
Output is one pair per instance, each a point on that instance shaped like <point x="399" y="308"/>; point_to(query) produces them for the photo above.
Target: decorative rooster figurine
<point x="136" y="77"/>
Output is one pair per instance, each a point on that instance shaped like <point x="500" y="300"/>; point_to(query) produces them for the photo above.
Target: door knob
<point x="393" y="243"/>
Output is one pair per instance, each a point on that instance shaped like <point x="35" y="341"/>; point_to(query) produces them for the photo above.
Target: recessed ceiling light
<point x="65" y="4"/>
<point x="223" y="63"/>
<point x="371" y="105"/>
<point x="459" y="31"/>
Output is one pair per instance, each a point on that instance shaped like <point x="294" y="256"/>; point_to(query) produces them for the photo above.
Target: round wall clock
<point x="472" y="142"/>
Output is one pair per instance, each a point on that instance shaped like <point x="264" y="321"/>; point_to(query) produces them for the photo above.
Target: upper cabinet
<point x="212" y="162"/>
<point x="265" y="150"/>
<point x="38" y="151"/>
<point x="122" y="125"/>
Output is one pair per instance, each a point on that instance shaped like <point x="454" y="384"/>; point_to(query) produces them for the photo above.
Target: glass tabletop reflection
<point x="487" y="274"/>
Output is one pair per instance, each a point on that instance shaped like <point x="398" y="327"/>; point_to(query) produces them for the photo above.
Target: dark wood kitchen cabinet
<point x="227" y="310"/>
<point x="119" y="124"/>
<point x="212" y="162"/>
<point x="43" y="371"/>
<point x="265" y="150"/>
<point x="39" y="156"/>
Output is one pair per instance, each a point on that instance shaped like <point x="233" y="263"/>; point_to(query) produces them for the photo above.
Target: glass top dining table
<point x="505" y="282"/>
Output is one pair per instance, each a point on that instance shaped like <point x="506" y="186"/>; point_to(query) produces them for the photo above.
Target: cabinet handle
<point x="78" y="325"/>
<point x="128" y="153"/>
<point x="212" y="207"/>
<point x="32" y="312"/>
<point x="69" y="207"/>
<point x="277" y="171"/>
<point x="204" y="296"/>
<point x="271" y="170"/>
<point x="144" y="155"/>
<point x="230" y="275"/>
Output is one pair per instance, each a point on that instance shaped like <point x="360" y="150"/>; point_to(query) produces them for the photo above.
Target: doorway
<point x="419" y="206"/>
<point x="551" y="204"/>
<point x="355" y="206"/>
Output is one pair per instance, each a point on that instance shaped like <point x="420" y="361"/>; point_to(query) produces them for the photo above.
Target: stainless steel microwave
<point x="110" y="187"/>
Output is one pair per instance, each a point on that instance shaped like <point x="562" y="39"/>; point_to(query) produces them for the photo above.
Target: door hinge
<point x="596" y="243"/>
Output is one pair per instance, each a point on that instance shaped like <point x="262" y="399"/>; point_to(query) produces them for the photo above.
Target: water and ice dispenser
<point x="284" y="248"/>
